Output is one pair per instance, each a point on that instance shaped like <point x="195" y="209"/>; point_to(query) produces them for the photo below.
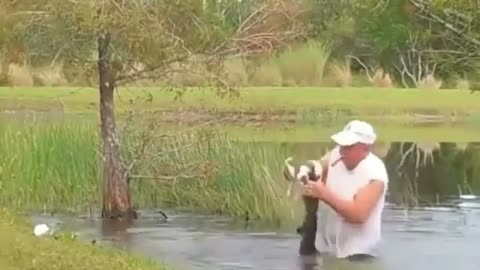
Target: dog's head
<point x="310" y="169"/>
<point x="300" y="173"/>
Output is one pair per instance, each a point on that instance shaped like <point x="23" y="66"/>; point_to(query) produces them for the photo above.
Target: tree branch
<point x="422" y="9"/>
<point x="253" y="36"/>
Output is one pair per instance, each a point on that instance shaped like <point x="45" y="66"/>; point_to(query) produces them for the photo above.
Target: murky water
<point x="425" y="238"/>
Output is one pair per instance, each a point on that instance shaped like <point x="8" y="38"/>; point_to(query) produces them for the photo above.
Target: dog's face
<point x="298" y="175"/>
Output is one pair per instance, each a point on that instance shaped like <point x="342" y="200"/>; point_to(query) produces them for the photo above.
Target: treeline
<point x="409" y="43"/>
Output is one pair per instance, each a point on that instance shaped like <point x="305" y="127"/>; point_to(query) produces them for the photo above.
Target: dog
<point x="311" y="170"/>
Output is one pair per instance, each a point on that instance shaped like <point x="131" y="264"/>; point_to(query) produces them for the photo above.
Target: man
<point x="352" y="193"/>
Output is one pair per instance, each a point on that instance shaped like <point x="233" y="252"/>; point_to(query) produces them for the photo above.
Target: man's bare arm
<point x="358" y="210"/>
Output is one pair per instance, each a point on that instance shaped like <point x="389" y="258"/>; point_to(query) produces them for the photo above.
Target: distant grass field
<point x="386" y="133"/>
<point x="254" y="99"/>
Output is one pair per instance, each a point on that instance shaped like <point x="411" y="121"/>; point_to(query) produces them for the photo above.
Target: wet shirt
<point x="337" y="236"/>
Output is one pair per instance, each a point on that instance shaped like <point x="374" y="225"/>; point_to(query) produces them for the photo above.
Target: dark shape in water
<point x="308" y="230"/>
<point x="163" y="214"/>
<point x="310" y="262"/>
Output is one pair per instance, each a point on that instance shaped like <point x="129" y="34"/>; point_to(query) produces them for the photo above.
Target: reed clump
<point x="56" y="167"/>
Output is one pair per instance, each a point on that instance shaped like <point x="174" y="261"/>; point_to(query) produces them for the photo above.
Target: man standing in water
<point x="352" y="193"/>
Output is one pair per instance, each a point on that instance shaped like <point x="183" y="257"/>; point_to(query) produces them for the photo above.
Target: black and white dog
<point x="310" y="170"/>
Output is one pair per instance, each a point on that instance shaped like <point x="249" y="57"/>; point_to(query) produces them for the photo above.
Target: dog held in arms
<point x="310" y="170"/>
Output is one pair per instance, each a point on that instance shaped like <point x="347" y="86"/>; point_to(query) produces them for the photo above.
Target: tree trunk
<point x="116" y="197"/>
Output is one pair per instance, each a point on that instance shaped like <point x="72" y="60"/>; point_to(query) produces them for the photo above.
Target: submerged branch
<point x="404" y="155"/>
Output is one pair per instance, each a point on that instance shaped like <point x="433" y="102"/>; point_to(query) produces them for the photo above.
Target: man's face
<point x="353" y="154"/>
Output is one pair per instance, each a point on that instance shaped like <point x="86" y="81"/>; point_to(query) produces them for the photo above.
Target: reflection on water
<point x="426" y="173"/>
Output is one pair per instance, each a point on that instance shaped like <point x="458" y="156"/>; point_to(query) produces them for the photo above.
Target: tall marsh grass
<point x="209" y="172"/>
<point x="56" y="166"/>
<point x="48" y="166"/>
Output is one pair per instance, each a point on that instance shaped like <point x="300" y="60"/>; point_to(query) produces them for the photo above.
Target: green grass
<point x="48" y="165"/>
<point x="304" y="64"/>
<point x="358" y="101"/>
<point x="20" y="250"/>
<point x="237" y="179"/>
<point x="55" y="167"/>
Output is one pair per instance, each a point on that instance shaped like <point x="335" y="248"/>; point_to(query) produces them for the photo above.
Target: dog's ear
<point x="316" y="170"/>
<point x="289" y="171"/>
<point x="287" y="175"/>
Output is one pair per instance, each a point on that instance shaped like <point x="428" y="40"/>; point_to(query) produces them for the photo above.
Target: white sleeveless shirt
<point x="337" y="236"/>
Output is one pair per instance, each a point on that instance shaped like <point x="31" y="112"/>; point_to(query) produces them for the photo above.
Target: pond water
<point x="440" y="231"/>
<point x="437" y="238"/>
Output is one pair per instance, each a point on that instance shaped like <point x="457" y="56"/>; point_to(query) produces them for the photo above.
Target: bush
<point x="305" y="64"/>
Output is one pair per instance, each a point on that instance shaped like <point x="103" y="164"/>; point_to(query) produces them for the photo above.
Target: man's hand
<point x="316" y="189"/>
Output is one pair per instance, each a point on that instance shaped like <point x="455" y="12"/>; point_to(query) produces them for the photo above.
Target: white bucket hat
<point x="355" y="131"/>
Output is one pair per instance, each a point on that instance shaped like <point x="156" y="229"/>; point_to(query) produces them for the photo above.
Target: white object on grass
<point x="41" y="229"/>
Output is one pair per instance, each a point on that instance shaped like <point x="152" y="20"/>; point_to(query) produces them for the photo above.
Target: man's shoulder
<point x="375" y="160"/>
<point x="375" y="168"/>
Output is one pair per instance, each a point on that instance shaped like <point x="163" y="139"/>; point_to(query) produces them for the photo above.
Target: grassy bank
<point x="55" y="166"/>
<point x="396" y="103"/>
<point x="20" y="250"/>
